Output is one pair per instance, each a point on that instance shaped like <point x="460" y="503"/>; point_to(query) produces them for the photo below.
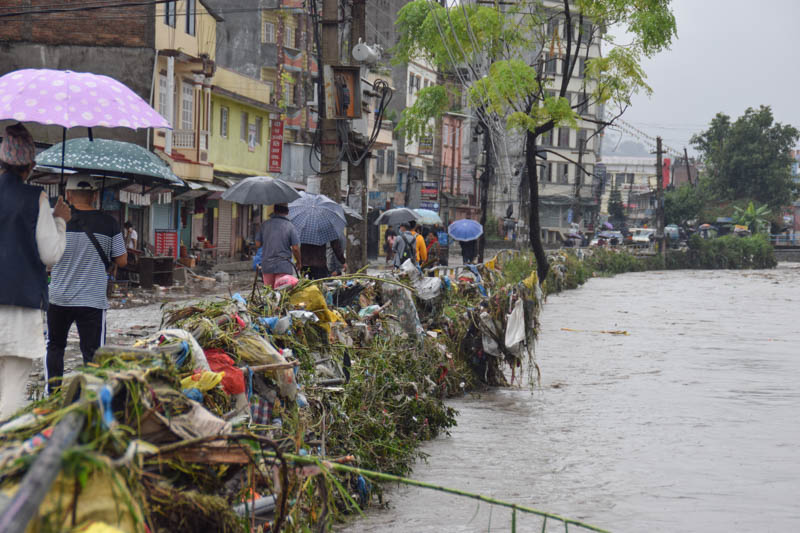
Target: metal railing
<point x="183" y="138"/>
<point x="785" y="240"/>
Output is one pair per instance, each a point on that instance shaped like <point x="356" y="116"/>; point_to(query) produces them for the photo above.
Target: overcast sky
<point x="729" y="55"/>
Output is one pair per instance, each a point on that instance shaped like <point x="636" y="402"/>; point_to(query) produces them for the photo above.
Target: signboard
<point x="433" y="206"/>
<point x="665" y="172"/>
<point x="275" y="145"/>
<point x="429" y="191"/>
<point x="426" y="145"/>
<point x="166" y="242"/>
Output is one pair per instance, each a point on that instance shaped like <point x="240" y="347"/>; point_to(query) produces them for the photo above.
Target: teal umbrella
<point x="109" y="158"/>
<point x="428" y="217"/>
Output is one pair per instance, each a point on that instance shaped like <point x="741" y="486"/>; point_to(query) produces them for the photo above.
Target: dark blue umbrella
<point x="465" y="230"/>
<point x="318" y="219"/>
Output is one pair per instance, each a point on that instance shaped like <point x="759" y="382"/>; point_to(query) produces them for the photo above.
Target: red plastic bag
<point x="219" y="361"/>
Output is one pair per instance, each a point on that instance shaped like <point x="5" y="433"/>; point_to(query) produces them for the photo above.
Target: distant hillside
<point x="625" y="148"/>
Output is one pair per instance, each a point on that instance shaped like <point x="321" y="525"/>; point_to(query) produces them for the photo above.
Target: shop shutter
<point x="225" y="229"/>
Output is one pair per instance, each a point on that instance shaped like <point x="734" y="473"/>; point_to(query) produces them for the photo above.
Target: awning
<point x="204" y="186"/>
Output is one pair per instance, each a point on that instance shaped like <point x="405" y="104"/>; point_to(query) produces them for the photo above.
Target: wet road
<point x="689" y="423"/>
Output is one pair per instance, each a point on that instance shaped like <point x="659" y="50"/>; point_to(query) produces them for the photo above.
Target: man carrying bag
<point x="79" y="281"/>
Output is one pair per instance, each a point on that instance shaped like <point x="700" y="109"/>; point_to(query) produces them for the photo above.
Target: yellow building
<point x="238" y="148"/>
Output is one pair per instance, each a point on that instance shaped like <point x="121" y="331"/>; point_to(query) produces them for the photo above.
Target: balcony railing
<point x="183" y="138"/>
<point x="186" y="139"/>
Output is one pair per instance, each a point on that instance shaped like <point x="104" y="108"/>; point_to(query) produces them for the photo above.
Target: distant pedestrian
<point x="421" y="248"/>
<point x="280" y="241"/>
<point x="131" y="237"/>
<point x="444" y="245"/>
<point x="388" y="244"/>
<point x="79" y="281"/>
<point x="315" y="258"/>
<point x="32" y="237"/>
<point x="405" y="247"/>
<point x="336" y="263"/>
<point x="468" y="251"/>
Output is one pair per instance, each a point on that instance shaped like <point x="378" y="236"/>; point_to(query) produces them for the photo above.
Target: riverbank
<point x="367" y="397"/>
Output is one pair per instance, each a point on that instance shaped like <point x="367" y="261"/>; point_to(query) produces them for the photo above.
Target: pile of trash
<point x="201" y="425"/>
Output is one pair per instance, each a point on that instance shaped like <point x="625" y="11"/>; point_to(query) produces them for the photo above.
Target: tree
<point x="755" y="218"/>
<point x="686" y="203"/>
<point x="616" y="209"/>
<point x="504" y="56"/>
<point x="749" y="158"/>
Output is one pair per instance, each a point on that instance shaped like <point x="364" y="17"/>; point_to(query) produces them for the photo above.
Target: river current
<point x="691" y="422"/>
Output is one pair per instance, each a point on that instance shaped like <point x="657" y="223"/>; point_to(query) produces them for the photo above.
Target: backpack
<point x="409" y="251"/>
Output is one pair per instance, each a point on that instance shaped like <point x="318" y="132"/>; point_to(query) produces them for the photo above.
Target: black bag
<point x="111" y="267"/>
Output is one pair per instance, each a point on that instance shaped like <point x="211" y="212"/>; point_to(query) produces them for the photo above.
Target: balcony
<point x="185" y="139"/>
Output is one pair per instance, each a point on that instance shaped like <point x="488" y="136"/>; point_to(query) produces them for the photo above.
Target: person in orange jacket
<point x="422" y="248"/>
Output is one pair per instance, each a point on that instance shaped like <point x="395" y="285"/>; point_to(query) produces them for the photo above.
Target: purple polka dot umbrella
<point x="66" y="98"/>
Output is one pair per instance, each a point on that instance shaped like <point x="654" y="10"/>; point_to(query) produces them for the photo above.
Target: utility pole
<point x="485" y="178"/>
<point x="688" y="170"/>
<point x="662" y="249"/>
<point x="357" y="174"/>
<point x="330" y="166"/>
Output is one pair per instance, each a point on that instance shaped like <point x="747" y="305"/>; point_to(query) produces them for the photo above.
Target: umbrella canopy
<point x="66" y="98"/>
<point x="398" y="215"/>
<point x="110" y="158"/>
<point x="261" y="190"/>
<point x="351" y="215"/>
<point x="465" y="230"/>
<point x="608" y="225"/>
<point x="428" y="217"/>
<point x="318" y="219"/>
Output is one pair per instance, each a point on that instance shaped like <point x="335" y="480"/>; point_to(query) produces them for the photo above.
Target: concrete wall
<point x="131" y="66"/>
<point x="239" y="45"/>
<point x="123" y="26"/>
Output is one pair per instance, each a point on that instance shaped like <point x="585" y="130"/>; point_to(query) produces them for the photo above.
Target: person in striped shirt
<point x="80" y="279"/>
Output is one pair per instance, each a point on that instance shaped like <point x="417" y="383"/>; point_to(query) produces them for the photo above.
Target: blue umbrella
<point x="465" y="230"/>
<point x="318" y="219"/>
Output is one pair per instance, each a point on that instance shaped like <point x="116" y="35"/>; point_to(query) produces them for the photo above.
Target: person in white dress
<point x="32" y="237"/>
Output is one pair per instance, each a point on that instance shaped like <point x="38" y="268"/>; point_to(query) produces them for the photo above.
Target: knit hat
<point x="17" y="147"/>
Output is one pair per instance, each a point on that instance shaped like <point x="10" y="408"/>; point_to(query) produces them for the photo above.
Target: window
<point x="268" y="32"/>
<point x="390" y="162"/>
<point x="563" y="137"/>
<point x="288" y="93"/>
<point x="582" y="103"/>
<point x="547" y="138"/>
<point x="550" y="64"/>
<point x="379" y="162"/>
<point x="620" y="180"/>
<point x="169" y="13"/>
<point x="446" y="135"/>
<point x="223" y="122"/>
<point x="243" y="127"/>
<point x="581" y="70"/>
<point x="162" y="96"/>
<point x="187" y="106"/>
<point x="211" y="119"/>
<point x="552" y="26"/>
<point x="271" y="87"/>
<point x="410" y="84"/>
<point x="191" y="16"/>
<point x="288" y="37"/>
<point x="563" y="173"/>
<point x="549" y="172"/>
<point x="582" y="139"/>
<point x="259" y="127"/>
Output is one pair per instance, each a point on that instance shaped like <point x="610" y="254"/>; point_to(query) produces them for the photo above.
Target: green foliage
<point x="687" y="202"/>
<point x="731" y="252"/>
<point x="755" y="218"/>
<point x="749" y="158"/>
<point x="417" y="121"/>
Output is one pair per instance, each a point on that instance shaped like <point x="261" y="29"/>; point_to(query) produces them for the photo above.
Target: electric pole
<point x="357" y="174"/>
<point x="662" y="249"/>
<point x="330" y="166"/>
<point x="688" y="170"/>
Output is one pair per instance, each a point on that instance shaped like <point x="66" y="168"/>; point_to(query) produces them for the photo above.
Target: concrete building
<point x="635" y="178"/>
<point x="566" y="190"/>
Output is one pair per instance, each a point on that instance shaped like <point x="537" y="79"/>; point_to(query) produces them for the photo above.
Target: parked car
<point x="642" y="236"/>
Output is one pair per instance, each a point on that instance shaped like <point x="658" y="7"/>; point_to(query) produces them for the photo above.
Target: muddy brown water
<point x="689" y="423"/>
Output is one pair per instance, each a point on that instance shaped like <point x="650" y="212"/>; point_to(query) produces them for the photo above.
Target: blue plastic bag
<point x="257" y="258"/>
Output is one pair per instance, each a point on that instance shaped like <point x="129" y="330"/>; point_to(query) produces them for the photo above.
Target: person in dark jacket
<point x="32" y="238"/>
<point x="468" y="251"/>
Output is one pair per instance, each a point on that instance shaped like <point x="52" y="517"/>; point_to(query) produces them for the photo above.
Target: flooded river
<point x="689" y="423"/>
